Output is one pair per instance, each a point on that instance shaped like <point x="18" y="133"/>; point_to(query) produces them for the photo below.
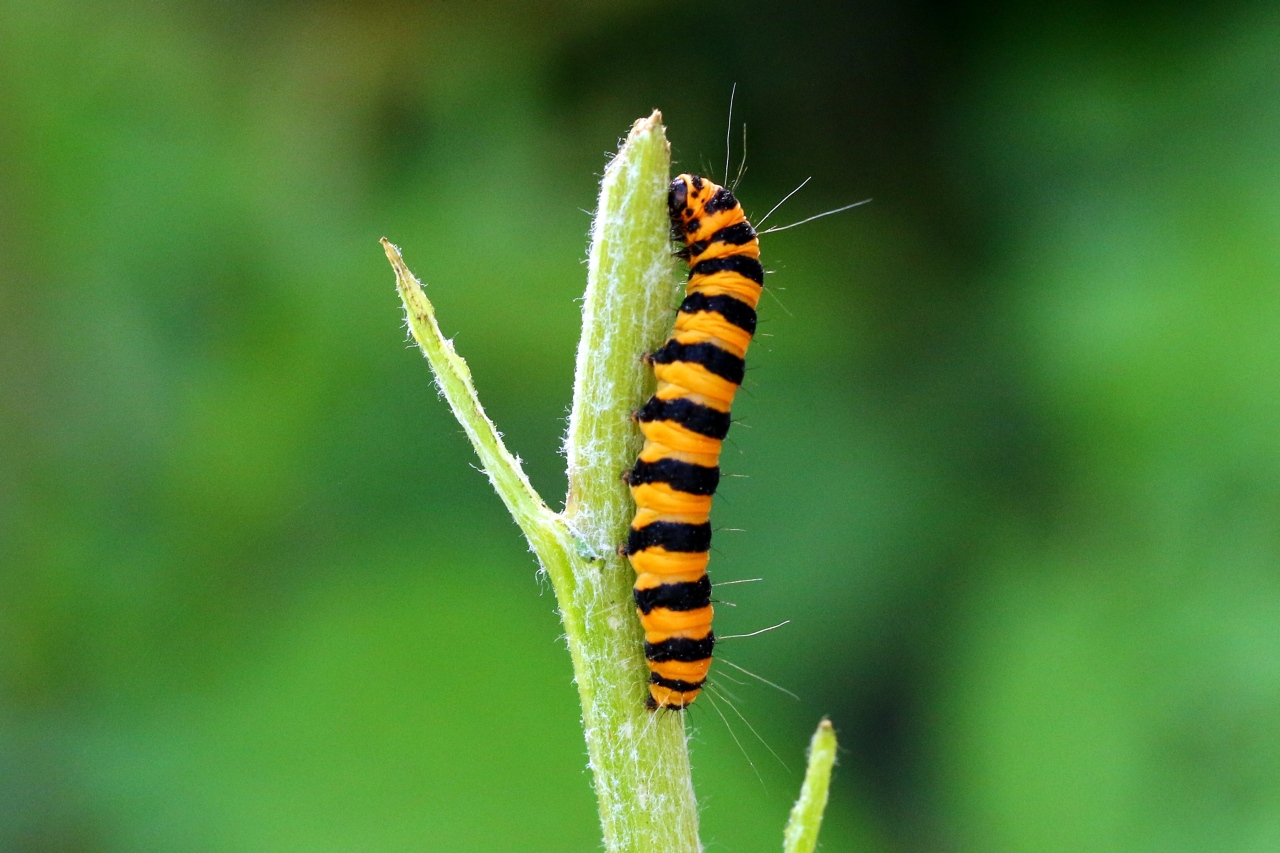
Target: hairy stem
<point x="639" y="760"/>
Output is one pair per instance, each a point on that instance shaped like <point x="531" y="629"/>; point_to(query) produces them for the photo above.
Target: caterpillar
<point x="699" y="369"/>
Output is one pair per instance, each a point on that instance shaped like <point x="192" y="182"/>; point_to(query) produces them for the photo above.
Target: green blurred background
<point x="1011" y="445"/>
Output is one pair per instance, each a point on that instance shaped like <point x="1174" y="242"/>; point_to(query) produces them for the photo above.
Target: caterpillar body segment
<point x="699" y="370"/>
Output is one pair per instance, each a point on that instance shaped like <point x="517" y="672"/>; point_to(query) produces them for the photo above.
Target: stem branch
<point x="639" y="760"/>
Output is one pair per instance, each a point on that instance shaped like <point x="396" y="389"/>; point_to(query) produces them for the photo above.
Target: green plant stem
<point x="801" y="834"/>
<point x="639" y="760"/>
<point x="453" y="378"/>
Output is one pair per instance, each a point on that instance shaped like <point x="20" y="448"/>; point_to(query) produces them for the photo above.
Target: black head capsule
<point x="677" y="196"/>
<point x="683" y="219"/>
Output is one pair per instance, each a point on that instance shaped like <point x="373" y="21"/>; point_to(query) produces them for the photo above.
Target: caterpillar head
<point x="685" y="201"/>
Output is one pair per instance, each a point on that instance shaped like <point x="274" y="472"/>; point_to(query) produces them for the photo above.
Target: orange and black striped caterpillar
<point x="699" y="369"/>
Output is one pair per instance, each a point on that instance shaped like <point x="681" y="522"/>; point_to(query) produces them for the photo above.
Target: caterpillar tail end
<point x="652" y="704"/>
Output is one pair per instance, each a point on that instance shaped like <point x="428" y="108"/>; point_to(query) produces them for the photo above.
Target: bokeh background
<point x="1011" y="445"/>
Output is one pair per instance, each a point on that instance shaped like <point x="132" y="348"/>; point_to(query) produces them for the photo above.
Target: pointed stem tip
<point x="801" y="834"/>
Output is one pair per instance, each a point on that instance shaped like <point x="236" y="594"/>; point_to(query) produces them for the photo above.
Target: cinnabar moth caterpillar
<point x="699" y="369"/>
